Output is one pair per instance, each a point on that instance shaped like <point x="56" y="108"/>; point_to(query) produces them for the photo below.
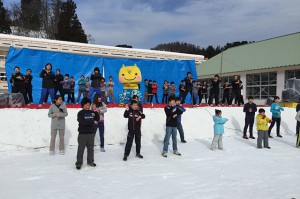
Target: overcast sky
<point x="144" y="24"/>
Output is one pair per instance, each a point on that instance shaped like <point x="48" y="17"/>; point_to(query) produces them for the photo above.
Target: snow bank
<point x="30" y="128"/>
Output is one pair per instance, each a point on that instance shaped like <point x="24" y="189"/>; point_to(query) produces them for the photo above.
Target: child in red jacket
<point x="154" y="91"/>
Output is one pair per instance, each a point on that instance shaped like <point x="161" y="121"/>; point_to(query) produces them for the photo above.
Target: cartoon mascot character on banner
<point x="130" y="76"/>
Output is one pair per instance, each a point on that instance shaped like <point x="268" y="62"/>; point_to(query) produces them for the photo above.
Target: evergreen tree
<point x="31" y="14"/>
<point x="4" y="22"/>
<point x="69" y="26"/>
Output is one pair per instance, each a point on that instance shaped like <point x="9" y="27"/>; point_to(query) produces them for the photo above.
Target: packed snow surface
<point x="239" y="171"/>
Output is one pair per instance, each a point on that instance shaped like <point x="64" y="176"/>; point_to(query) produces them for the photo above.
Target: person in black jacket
<point x="181" y="90"/>
<point x="17" y="79"/>
<point x="140" y="105"/>
<point x="150" y="93"/>
<point x="134" y="128"/>
<point x="95" y="85"/>
<point x="28" y="87"/>
<point x="48" y="83"/>
<point x="188" y="86"/>
<point x="226" y="88"/>
<point x="87" y="119"/>
<point x="250" y="108"/>
<point x="236" y="89"/>
<point x="172" y="112"/>
<point x="298" y="123"/>
<point x="214" y="90"/>
<point x="57" y="83"/>
<point x="203" y="92"/>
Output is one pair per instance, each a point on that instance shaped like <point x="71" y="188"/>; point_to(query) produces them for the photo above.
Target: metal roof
<point x="271" y="53"/>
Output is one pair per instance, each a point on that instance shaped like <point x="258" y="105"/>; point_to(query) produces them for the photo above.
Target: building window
<point x="261" y="85"/>
<point x="292" y="74"/>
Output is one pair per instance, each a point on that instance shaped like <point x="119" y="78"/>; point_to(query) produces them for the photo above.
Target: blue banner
<point x="77" y="65"/>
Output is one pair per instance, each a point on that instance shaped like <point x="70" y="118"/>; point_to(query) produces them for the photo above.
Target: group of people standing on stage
<point x="198" y="91"/>
<point x="54" y="83"/>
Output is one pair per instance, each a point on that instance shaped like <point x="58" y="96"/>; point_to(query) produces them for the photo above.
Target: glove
<point x="263" y="117"/>
<point x="270" y="121"/>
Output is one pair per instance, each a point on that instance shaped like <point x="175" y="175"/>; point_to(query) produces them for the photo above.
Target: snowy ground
<point x="240" y="171"/>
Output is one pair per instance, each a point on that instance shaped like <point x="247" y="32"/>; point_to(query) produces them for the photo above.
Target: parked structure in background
<point x="84" y="49"/>
<point x="264" y="67"/>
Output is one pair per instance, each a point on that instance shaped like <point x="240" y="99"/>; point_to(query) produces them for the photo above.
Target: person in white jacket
<point x="57" y="113"/>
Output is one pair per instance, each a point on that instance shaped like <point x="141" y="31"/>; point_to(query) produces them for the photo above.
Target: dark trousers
<point x="236" y="94"/>
<point x="155" y="95"/>
<point x="181" y="93"/>
<point x="297" y="128"/>
<point x="298" y="140"/>
<point x="60" y="89"/>
<point x="28" y="94"/>
<point x="201" y="96"/>
<point x="226" y="97"/>
<point x="249" y="121"/>
<point x="150" y="97"/>
<point x="277" y="120"/>
<point x="164" y="99"/>
<point x="101" y="132"/>
<point x="79" y="95"/>
<point x="85" y="140"/>
<point x="185" y="94"/>
<point x="180" y="130"/>
<point x="133" y="134"/>
<point x="212" y="96"/>
<point x="72" y="99"/>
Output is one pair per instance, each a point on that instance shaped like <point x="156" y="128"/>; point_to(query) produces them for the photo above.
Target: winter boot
<point x="139" y="156"/>
<point x="92" y="164"/>
<point x="177" y="153"/>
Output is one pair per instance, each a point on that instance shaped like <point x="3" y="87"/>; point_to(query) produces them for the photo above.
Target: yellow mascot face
<point x="130" y="75"/>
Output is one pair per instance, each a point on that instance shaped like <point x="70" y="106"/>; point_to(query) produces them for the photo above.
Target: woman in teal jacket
<point x="276" y="109"/>
<point x="218" y="130"/>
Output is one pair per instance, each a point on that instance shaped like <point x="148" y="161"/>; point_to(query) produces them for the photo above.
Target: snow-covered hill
<point x="240" y="171"/>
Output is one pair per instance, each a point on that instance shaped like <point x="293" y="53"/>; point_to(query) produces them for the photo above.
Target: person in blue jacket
<point x="276" y="109"/>
<point x="218" y="130"/>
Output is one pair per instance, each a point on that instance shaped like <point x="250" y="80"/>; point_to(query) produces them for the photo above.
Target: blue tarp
<point x="77" y="65"/>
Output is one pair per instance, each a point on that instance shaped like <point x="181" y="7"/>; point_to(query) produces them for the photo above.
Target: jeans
<point x="44" y="93"/>
<point x="170" y="131"/>
<point x="164" y="99"/>
<point x="79" y="95"/>
<point x="180" y="130"/>
<point x="101" y="132"/>
<point x="92" y="91"/>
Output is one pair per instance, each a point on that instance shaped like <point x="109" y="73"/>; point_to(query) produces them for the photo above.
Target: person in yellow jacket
<point x="262" y="129"/>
